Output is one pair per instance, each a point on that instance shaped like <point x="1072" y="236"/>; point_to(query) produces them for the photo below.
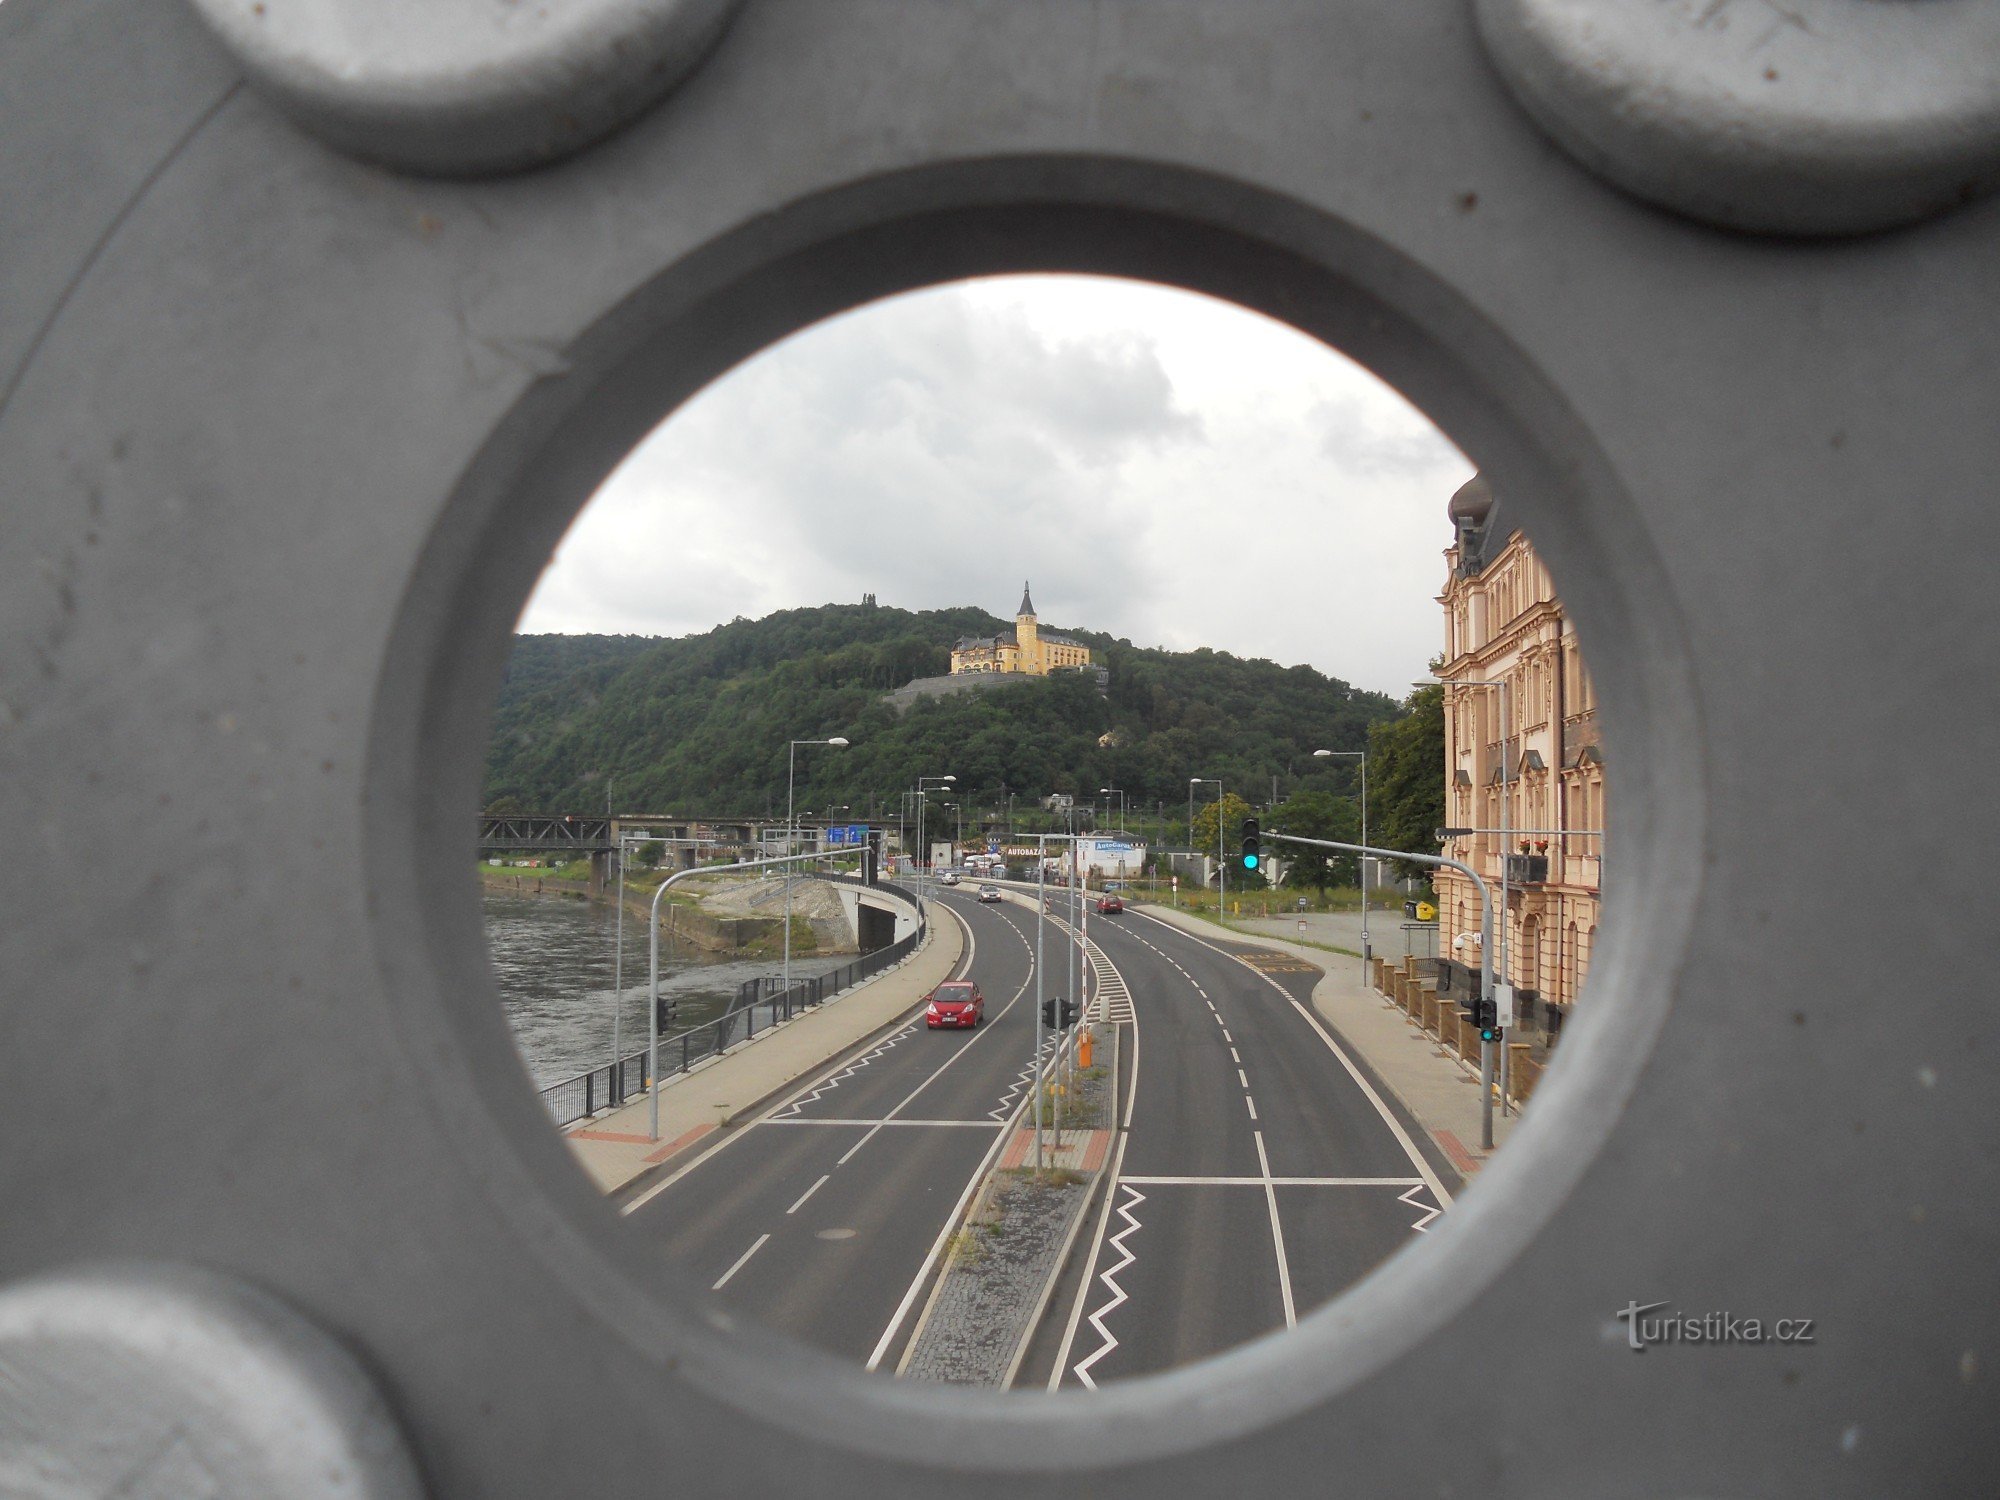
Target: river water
<point x="553" y="957"/>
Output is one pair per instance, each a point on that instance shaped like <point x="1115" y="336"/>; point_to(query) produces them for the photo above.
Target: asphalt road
<point x="1259" y="1175"/>
<point x="821" y="1218"/>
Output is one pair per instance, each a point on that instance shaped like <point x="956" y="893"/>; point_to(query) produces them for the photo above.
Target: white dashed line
<point x="1253" y="1105"/>
<point x="807" y="1194"/>
<point x="1241" y="1079"/>
<point x="739" y="1264"/>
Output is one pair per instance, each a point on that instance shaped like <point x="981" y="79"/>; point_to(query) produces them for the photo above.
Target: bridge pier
<point x="601" y="871"/>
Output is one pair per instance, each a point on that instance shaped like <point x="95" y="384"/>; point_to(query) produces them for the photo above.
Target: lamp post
<point x="625" y="842"/>
<point x="1506" y="723"/>
<point x="1119" y="793"/>
<point x="1221" y="862"/>
<point x="1506" y="817"/>
<point x="1361" y="860"/>
<point x="653" y="986"/>
<point x="791" y="834"/>
<point x="923" y="853"/>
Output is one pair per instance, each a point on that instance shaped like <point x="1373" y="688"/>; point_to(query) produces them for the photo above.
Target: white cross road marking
<point x="942" y="1124"/>
<point x="1401" y="1182"/>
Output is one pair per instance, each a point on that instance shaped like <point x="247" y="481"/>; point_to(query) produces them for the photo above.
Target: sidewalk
<point x="616" y="1148"/>
<point x="1427" y="1081"/>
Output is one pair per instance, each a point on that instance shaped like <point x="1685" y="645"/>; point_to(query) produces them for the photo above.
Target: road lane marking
<point x="978" y="1036"/>
<point x="1277" y="1233"/>
<point x="1253" y="1105"/>
<point x="935" y="1124"/>
<point x="1281" y="1183"/>
<point x="1395" y="1126"/>
<point x="808" y="1193"/>
<point x="958" y="1210"/>
<point x="1108" y="1279"/>
<point x="1422" y="1226"/>
<point x="1389" y="1119"/>
<point x="1240" y="1078"/>
<point x="813" y="1087"/>
<point x="1232" y="1053"/>
<point x="739" y="1263"/>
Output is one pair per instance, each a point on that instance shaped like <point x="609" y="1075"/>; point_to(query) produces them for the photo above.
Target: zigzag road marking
<point x="847" y="1072"/>
<point x="1422" y="1225"/>
<point x="1108" y="1279"/>
<point x="1005" y="1107"/>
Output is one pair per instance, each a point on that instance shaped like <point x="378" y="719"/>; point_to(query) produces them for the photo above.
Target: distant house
<point x="1024" y="649"/>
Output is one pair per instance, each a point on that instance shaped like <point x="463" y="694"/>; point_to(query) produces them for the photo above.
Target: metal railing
<point x="760" y="1004"/>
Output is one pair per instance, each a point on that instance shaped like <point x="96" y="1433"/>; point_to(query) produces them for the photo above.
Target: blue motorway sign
<point x="847" y="833"/>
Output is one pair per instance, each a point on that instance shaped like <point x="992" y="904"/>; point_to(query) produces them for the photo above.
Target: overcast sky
<point x="1137" y="453"/>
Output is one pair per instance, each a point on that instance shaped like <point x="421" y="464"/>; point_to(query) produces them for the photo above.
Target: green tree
<point x="1406" y="777"/>
<point x="1234" y="811"/>
<point x="1316" y="815"/>
<point x="651" y="853"/>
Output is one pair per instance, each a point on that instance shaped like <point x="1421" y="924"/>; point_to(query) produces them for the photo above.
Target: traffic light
<point x="666" y="1010"/>
<point x="1485" y="1015"/>
<point x="1058" y="1014"/>
<point x="1253" y="854"/>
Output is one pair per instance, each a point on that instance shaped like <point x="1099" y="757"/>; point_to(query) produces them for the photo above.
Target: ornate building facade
<point x="1524" y="756"/>
<point x="1024" y="649"/>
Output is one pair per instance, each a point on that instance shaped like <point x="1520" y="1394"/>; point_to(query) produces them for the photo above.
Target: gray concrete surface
<point x="286" y="441"/>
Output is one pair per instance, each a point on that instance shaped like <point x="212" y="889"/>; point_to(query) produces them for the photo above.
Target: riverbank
<point x="684" y="924"/>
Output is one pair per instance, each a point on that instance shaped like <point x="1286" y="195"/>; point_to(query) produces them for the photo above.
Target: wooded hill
<point x="701" y="723"/>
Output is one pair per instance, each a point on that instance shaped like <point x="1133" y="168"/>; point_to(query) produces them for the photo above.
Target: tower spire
<point x="1027" y="604"/>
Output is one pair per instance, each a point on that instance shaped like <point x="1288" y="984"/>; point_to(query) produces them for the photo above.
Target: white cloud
<point x="1162" y="466"/>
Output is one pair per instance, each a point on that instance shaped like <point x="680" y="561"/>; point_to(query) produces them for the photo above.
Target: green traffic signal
<point x="1253" y="856"/>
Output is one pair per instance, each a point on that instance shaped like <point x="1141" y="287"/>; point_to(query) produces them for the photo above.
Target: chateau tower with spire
<point x="1024" y="650"/>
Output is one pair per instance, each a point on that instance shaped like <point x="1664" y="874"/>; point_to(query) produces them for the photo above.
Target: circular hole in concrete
<point x="653" y="348"/>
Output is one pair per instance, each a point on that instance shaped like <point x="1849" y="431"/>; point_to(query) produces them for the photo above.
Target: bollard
<point x="1083" y="1050"/>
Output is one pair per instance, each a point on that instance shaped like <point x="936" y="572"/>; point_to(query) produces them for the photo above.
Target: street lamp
<point x="1115" y="791"/>
<point x="1361" y="860"/>
<point x="792" y="833"/>
<point x="923" y="793"/>
<point x="1221" y="861"/>
<point x="625" y="841"/>
<point x="1506" y="724"/>
<point x="1506" y="839"/>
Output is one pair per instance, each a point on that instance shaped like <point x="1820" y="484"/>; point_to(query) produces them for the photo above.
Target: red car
<point x="1110" y="906"/>
<point x="956" y="1002"/>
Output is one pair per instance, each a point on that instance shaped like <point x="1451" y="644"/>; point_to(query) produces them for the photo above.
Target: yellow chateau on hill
<point x="1024" y="650"/>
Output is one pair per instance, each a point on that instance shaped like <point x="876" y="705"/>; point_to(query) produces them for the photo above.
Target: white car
<point x="950" y="877"/>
